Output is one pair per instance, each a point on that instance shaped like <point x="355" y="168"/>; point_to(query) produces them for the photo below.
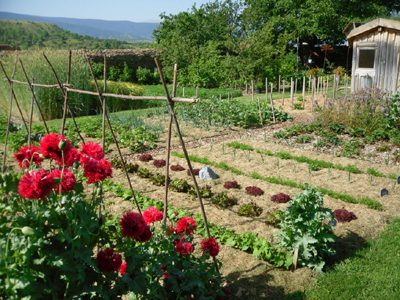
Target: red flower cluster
<point x="146" y="157"/>
<point x="28" y="153"/>
<point x="253" y="190"/>
<point x="109" y="260"/>
<point x="210" y="246"/>
<point x="183" y="248"/>
<point x="71" y="156"/>
<point x="171" y="230"/>
<point x="159" y="163"/>
<point x="91" y="150"/>
<point x="186" y="225"/>
<point x="231" y="185"/>
<point x="280" y="198"/>
<point x="36" y="184"/>
<point x="68" y="180"/>
<point x="152" y="214"/>
<point x="176" y="168"/>
<point x="134" y="226"/>
<point x="343" y="215"/>
<point x="49" y="147"/>
<point x="164" y="270"/>
<point x="97" y="170"/>
<point x="195" y="171"/>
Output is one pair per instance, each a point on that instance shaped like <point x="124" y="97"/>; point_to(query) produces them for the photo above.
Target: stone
<point x="383" y="192"/>
<point x="206" y="173"/>
<point x="332" y="222"/>
<point x="398" y="180"/>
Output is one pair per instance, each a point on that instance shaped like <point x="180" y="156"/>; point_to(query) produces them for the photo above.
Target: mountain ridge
<point x="102" y="29"/>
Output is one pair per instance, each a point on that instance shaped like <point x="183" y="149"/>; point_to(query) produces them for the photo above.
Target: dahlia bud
<point x="112" y="228"/>
<point x="62" y="145"/>
<point x="101" y="220"/>
<point x="76" y="164"/>
<point x="99" y="190"/>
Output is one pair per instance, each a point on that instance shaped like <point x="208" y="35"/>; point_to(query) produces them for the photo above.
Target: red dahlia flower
<point x="122" y="270"/>
<point x="49" y="147"/>
<point x="68" y="180"/>
<point x="171" y="230"/>
<point x="71" y="156"/>
<point x="132" y="225"/>
<point x="186" y="225"/>
<point x="184" y="248"/>
<point x="36" y="185"/>
<point x="145" y="236"/>
<point x="210" y="246"/>
<point x="28" y="153"/>
<point x="91" y="150"/>
<point x="97" y="170"/>
<point x="109" y="260"/>
<point x="152" y="214"/>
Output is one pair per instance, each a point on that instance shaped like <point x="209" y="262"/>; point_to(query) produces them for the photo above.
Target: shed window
<point x="366" y="58"/>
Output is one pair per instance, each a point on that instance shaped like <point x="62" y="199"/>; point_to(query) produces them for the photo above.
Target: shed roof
<point x="370" y="26"/>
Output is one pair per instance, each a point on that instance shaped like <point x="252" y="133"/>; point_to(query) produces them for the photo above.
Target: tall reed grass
<point x="50" y="99"/>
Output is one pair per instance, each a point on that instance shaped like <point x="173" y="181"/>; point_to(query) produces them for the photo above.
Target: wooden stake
<point x="279" y="85"/>
<point x="272" y="104"/>
<point x="3" y="168"/>
<point x="66" y="96"/>
<point x="30" y="119"/>
<point x="266" y="89"/>
<point x="283" y="94"/>
<point x="252" y="90"/>
<point x="291" y="90"/>
<point x="304" y="92"/>
<point x="104" y="103"/>
<point x="259" y="109"/>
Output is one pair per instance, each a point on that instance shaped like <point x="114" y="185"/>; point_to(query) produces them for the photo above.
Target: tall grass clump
<point x="50" y="99"/>
<point x="367" y="109"/>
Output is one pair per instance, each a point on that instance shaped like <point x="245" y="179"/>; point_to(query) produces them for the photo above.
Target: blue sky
<point x="115" y="10"/>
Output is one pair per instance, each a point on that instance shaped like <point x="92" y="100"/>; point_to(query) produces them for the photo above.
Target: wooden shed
<point x="376" y="54"/>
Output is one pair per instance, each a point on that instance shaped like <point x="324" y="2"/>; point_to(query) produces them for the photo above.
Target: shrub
<point x="146" y="157"/>
<point x="176" y="168"/>
<point x="159" y="163"/>
<point x="302" y="226"/>
<point x="342" y="215"/>
<point x="250" y="210"/>
<point x="195" y="171"/>
<point x="254" y="191"/>
<point x="222" y="200"/>
<point x="179" y="185"/>
<point x="205" y="192"/>
<point x="280" y="198"/>
<point x="231" y="185"/>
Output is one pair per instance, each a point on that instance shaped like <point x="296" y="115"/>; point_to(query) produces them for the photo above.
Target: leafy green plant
<point x="250" y="210"/>
<point x="302" y="226"/>
<point x="241" y="146"/>
<point x="144" y="173"/>
<point x="273" y="218"/>
<point x="131" y="167"/>
<point x="158" y="179"/>
<point x="298" y="105"/>
<point x="307" y="138"/>
<point x="222" y="200"/>
<point x="178" y="185"/>
<point x="205" y="192"/>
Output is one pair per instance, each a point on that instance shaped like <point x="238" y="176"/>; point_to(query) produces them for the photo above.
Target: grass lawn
<point x="371" y="273"/>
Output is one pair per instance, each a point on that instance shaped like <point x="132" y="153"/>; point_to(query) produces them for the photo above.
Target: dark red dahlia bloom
<point x="71" y="156"/>
<point x="91" y="150"/>
<point x="145" y="236"/>
<point x="68" y="180"/>
<point x="97" y="170"/>
<point x="28" y="153"/>
<point x="152" y="214"/>
<point x="210" y="246"/>
<point x="36" y="185"/>
<point x="109" y="260"/>
<point x="186" y="225"/>
<point x="49" y="147"/>
<point x="184" y="248"/>
<point x="343" y="215"/>
<point x="132" y="225"/>
<point x="122" y="270"/>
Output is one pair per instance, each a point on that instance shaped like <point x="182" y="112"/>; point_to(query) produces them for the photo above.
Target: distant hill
<point x="36" y="35"/>
<point x="94" y="28"/>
